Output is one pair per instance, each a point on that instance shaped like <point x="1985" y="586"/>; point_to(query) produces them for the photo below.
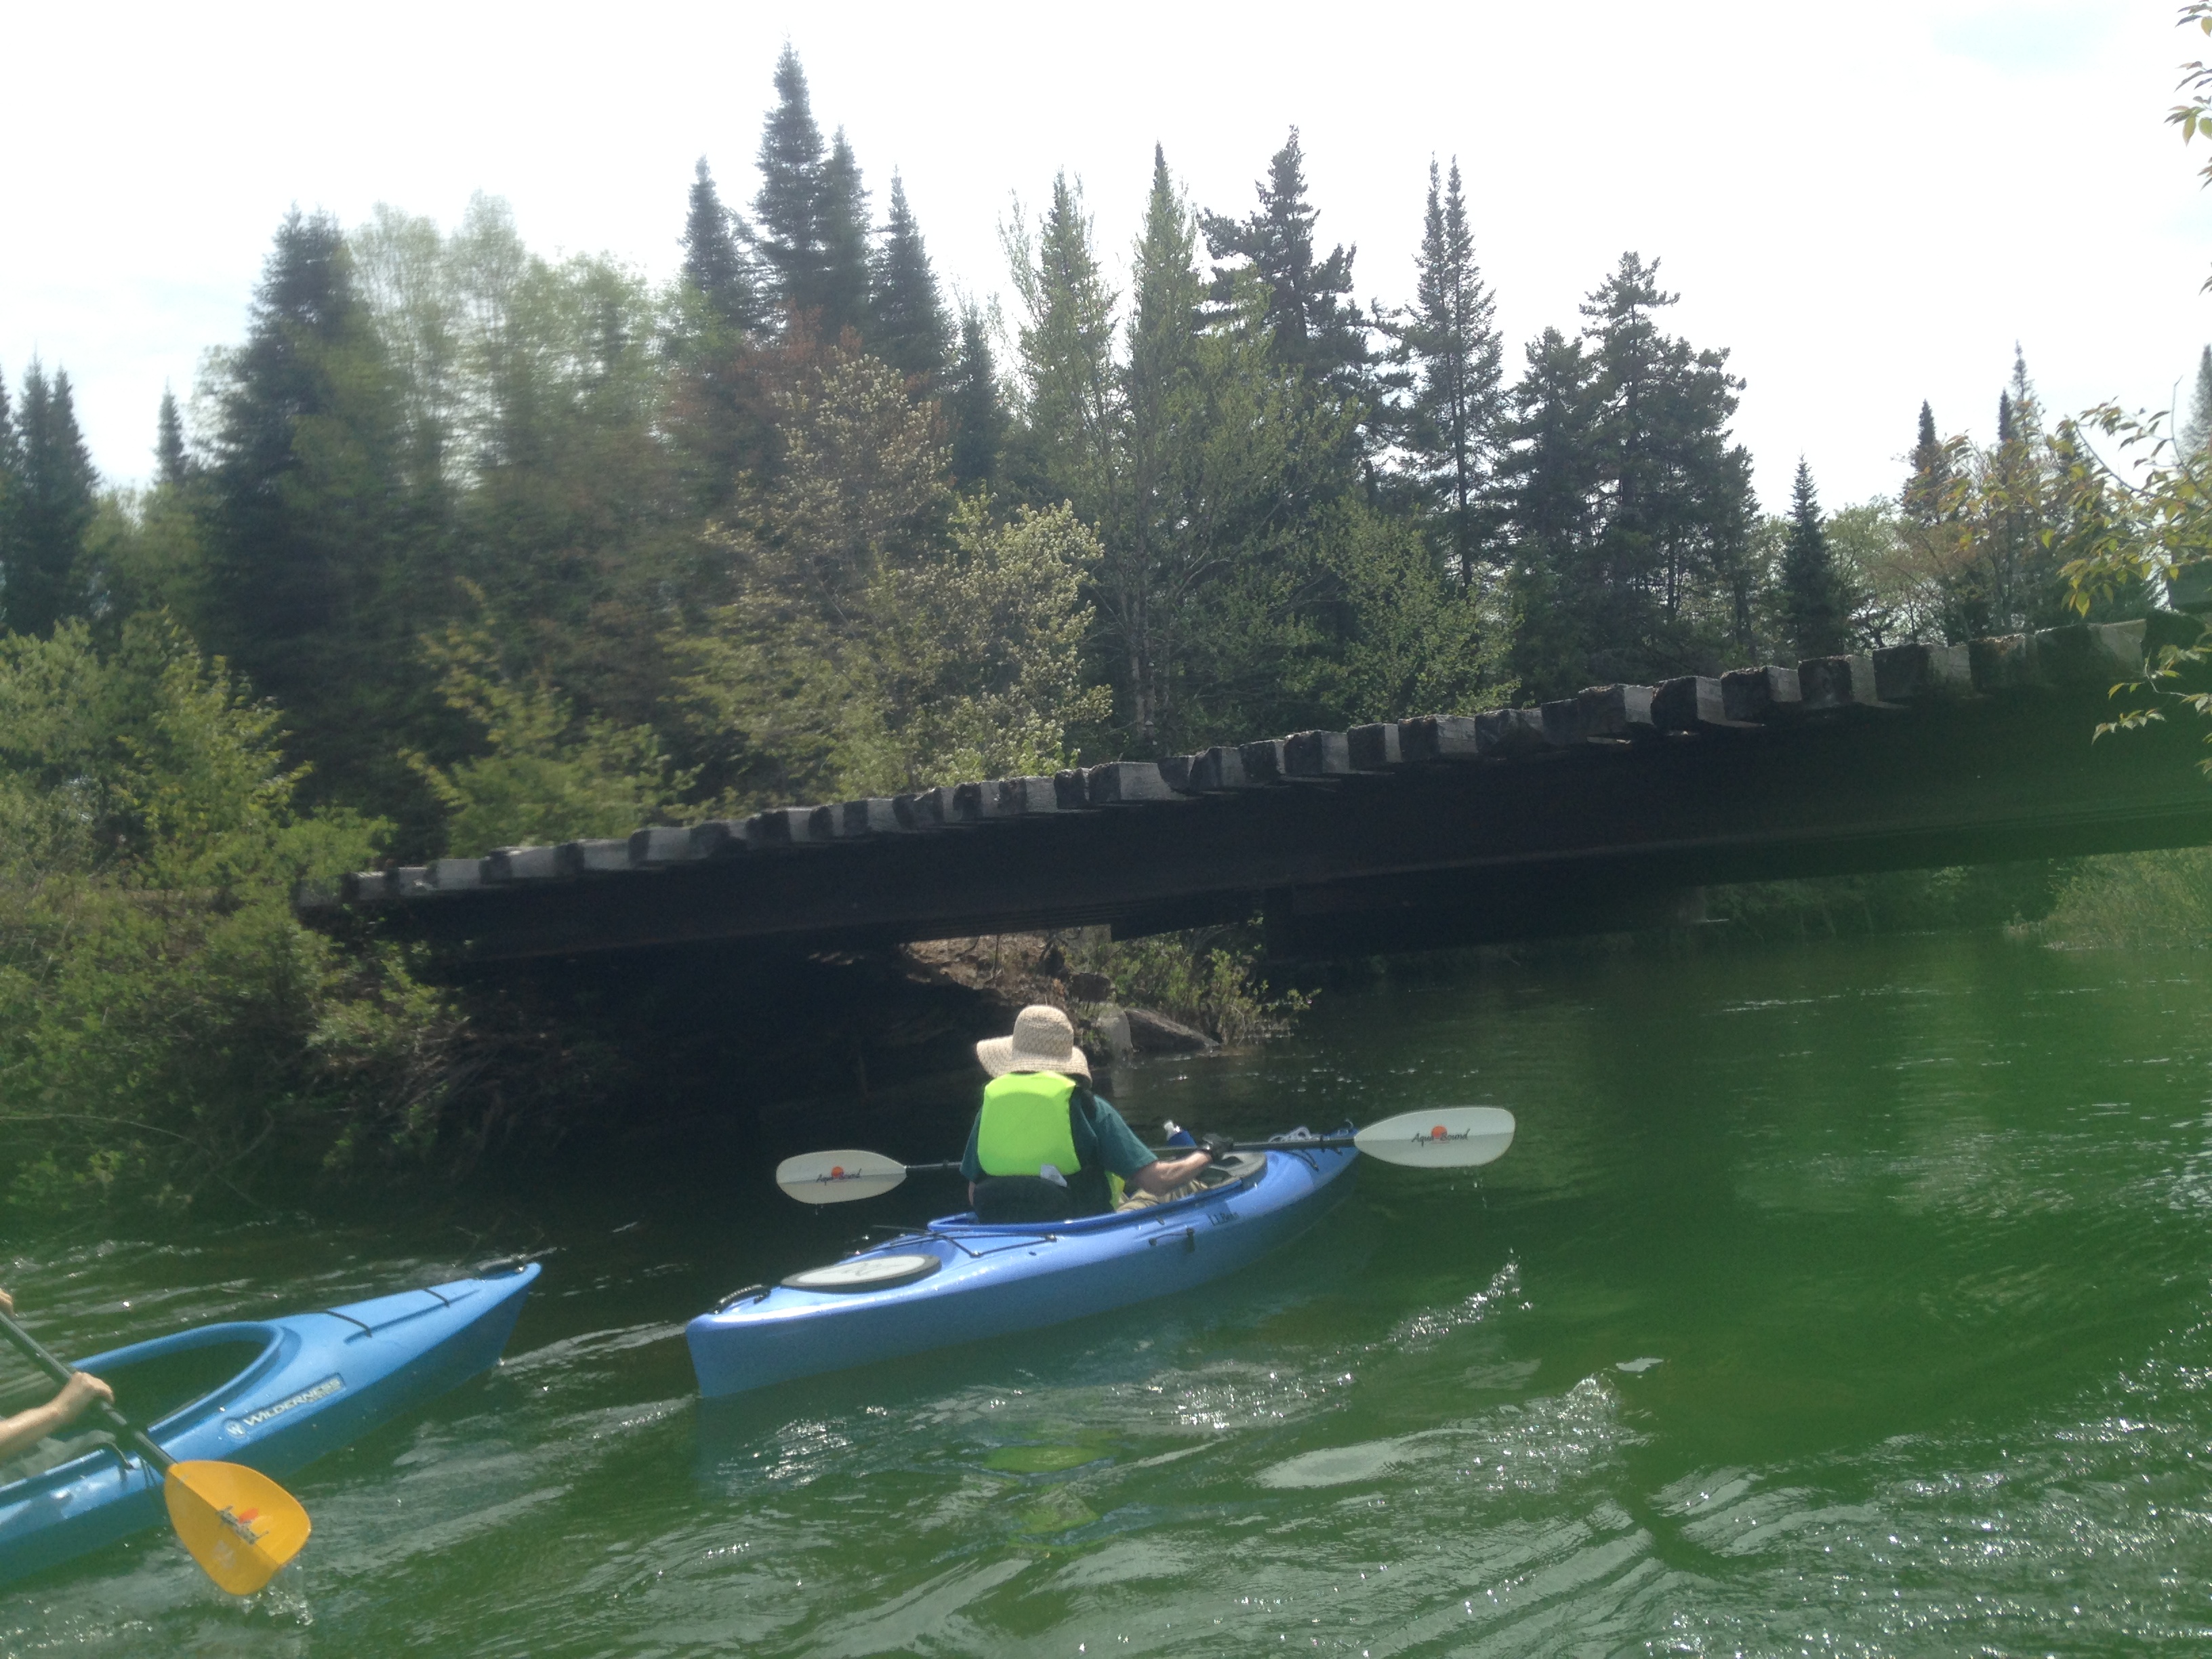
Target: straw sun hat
<point x="1042" y="1040"/>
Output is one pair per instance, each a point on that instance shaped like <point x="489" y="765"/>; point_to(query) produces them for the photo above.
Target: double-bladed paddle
<point x="238" y="1524"/>
<point x="1445" y="1138"/>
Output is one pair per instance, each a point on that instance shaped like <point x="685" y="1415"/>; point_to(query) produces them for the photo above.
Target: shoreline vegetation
<point x="462" y="546"/>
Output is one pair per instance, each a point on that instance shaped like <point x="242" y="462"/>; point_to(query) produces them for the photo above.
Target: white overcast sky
<point x="1867" y="204"/>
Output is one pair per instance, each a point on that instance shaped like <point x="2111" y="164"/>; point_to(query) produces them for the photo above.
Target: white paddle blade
<point x="838" y="1177"/>
<point x="1444" y="1137"/>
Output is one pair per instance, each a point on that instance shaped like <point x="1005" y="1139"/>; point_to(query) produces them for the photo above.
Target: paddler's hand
<point x="78" y="1393"/>
<point x="7" y="1304"/>
<point x="1218" y="1148"/>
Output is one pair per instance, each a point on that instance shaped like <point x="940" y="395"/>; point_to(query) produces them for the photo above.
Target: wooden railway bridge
<point x="1601" y="812"/>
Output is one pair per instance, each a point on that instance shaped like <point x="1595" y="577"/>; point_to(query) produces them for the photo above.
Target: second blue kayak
<point x="959" y="1280"/>
<point x="269" y="1393"/>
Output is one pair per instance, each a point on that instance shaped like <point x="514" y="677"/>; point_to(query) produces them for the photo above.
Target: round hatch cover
<point x="865" y="1272"/>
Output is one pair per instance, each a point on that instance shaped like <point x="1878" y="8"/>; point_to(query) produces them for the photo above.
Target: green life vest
<point x="1025" y="1125"/>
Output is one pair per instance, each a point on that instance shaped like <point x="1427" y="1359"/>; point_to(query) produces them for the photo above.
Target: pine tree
<point x="1925" y="500"/>
<point x="972" y="407"/>
<point x="1678" y="501"/>
<point x="2017" y="583"/>
<point x="51" y="508"/>
<point x="910" y="331"/>
<point x="843" y="218"/>
<point x="1317" y="327"/>
<point x="1140" y="584"/>
<point x="11" y="477"/>
<point x="309" y="592"/>
<point x="788" y="209"/>
<point x="2195" y="434"/>
<point x="1814" y="611"/>
<point x="1072" y="403"/>
<point x="1549" y="469"/>
<point x="714" y="258"/>
<point x="169" y="462"/>
<point x="1449" y="339"/>
<point x="1632" y="509"/>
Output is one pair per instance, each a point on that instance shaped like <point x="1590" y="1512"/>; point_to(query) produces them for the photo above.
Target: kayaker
<point x="1044" y="1147"/>
<point x="25" y="1428"/>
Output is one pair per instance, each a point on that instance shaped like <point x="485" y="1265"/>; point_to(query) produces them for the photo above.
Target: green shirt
<point x="1114" y="1144"/>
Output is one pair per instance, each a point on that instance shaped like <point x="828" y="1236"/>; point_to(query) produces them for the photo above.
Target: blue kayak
<point x="959" y="1280"/>
<point x="269" y="1393"/>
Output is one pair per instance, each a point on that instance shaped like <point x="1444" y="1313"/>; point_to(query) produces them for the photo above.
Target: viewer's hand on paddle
<point x="78" y="1393"/>
<point x="1218" y="1148"/>
<point x="7" y="1304"/>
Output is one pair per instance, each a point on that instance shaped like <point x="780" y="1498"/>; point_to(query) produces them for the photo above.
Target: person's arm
<point x="25" y="1428"/>
<point x="1164" y="1174"/>
<point x="1131" y="1159"/>
<point x="972" y="1165"/>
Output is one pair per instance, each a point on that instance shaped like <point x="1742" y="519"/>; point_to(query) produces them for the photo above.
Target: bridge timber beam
<point x="1594" y="812"/>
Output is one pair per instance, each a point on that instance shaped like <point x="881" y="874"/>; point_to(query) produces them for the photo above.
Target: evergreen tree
<point x="1815" y="611"/>
<point x="911" y="331"/>
<point x="2014" y="580"/>
<point x="308" y="593"/>
<point x="1925" y="500"/>
<point x="1140" y="582"/>
<point x="2195" y="436"/>
<point x="714" y="260"/>
<point x="11" y="478"/>
<point x="788" y="209"/>
<point x="1633" y="511"/>
<point x="1678" y="502"/>
<point x="49" y="508"/>
<point x="169" y="462"/>
<point x="843" y="218"/>
<point x="972" y="407"/>
<point x="1317" y="327"/>
<point x="1549" y="469"/>
<point x="1071" y="403"/>
<point x="1449" y="340"/>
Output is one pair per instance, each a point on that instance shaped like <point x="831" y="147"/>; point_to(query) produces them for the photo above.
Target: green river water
<point x="1848" y="1299"/>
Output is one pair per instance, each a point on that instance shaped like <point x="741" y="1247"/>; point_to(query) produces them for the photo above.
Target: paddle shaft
<point x="1314" y="1144"/>
<point x="36" y="1353"/>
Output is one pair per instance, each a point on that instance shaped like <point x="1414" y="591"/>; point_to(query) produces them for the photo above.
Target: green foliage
<point x="165" y="1025"/>
<point x="1208" y="978"/>
<point x="312" y="586"/>
<point x="1632" y="511"/>
<point x="1815" y="606"/>
<point x="909" y="328"/>
<point x="979" y="669"/>
<point x="974" y="407"/>
<point x="879" y="641"/>
<point x="548" y="775"/>
<point x="1314" y="323"/>
<point x="1448" y="344"/>
<point x="1983" y="895"/>
<point x="2133" y="900"/>
<point x="47" y="501"/>
<point x="715" y="262"/>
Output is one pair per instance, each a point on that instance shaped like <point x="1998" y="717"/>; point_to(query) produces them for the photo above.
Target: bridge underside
<point x="1592" y="815"/>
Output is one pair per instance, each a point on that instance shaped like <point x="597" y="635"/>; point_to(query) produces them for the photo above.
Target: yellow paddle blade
<point x="240" y="1525"/>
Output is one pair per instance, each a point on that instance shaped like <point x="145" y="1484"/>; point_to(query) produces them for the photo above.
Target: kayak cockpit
<point x="1238" y="1172"/>
<point x="162" y="1383"/>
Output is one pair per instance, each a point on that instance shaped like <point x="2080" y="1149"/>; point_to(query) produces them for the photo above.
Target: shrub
<point x="166" y="1025"/>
